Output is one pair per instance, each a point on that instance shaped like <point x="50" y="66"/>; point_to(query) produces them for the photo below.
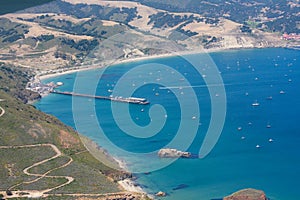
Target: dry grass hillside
<point x="64" y="33"/>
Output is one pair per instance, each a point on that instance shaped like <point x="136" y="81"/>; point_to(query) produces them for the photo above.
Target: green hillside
<point x="28" y="136"/>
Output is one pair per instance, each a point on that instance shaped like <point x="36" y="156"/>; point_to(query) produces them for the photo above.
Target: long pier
<point x="133" y="100"/>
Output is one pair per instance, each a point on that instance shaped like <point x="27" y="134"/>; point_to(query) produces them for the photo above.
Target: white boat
<point x="255" y="103"/>
<point x="271" y="140"/>
<point x="258" y="146"/>
<point x="59" y="83"/>
<point x="282" y="92"/>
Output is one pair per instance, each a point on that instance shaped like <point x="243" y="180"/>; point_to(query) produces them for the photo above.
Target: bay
<point x="258" y="146"/>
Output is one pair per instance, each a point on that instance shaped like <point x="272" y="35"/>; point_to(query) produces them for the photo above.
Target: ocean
<point x="254" y="93"/>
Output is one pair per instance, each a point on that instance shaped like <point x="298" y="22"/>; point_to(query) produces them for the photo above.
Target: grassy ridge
<point x="22" y="124"/>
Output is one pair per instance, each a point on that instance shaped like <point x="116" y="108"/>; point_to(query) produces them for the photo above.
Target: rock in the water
<point x="160" y="194"/>
<point x="173" y="153"/>
<point x="247" y="194"/>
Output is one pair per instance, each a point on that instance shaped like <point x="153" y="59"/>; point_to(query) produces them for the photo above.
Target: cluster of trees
<point x="245" y="29"/>
<point x="82" y="45"/>
<point x="85" y="10"/>
<point x="13" y="38"/>
<point x="93" y="27"/>
<point x="162" y="19"/>
<point x="11" y="31"/>
<point x="284" y="18"/>
<point x="45" y="38"/>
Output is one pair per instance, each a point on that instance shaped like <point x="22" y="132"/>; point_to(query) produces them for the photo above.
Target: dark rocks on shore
<point x="118" y="176"/>
<point x="247" y="194"/>
<point x="122" y="197"/>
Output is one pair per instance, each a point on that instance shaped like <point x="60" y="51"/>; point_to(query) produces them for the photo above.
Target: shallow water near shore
<point x="259" y="145"/>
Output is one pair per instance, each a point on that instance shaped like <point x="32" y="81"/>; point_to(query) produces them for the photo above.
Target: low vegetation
<point x="279" y="16"/>
<point x="23" y="125"/>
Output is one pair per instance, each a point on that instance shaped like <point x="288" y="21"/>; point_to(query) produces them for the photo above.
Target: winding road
<point x="2" y="110"/>
<point x="35" y="193"/>
<point x="45" y="193"/>
<point x="40" y="193"/>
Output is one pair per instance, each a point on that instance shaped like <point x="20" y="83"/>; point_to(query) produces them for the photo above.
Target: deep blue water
<point x="252" y="75"/>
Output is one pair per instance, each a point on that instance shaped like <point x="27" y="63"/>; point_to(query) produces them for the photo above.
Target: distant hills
<point x="269" y="15"/>
<point x="64" y="33"/>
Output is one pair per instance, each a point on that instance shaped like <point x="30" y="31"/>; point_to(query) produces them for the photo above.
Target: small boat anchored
<point x="271" y="140"/>
<point x="255" y="103"/>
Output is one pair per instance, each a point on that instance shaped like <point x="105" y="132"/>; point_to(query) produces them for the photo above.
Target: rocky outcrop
<point x="247" y="194"/>
<point x="160" y="194"/>
<point x="173" y="153"/>
<point x="128" y="196"/>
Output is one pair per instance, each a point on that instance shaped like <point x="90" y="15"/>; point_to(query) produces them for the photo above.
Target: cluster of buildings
<point x="36" y="85"/>
<point x="291" y="36"/>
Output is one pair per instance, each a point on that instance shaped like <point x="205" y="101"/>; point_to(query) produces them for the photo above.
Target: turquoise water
<point x="234" y="163"/>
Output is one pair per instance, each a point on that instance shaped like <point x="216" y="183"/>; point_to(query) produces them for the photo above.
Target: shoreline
<point x="59" y="72"/>
<point x="131" y="186"/>
<point x="63" y="71"/>
<point x="101" y="154"/>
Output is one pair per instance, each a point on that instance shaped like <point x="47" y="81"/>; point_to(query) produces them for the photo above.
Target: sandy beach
<point x="106" y="158"/>
<point x="54" y="73"/>
<point x="59" y="72"/>
<point x="130" y="186"/>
